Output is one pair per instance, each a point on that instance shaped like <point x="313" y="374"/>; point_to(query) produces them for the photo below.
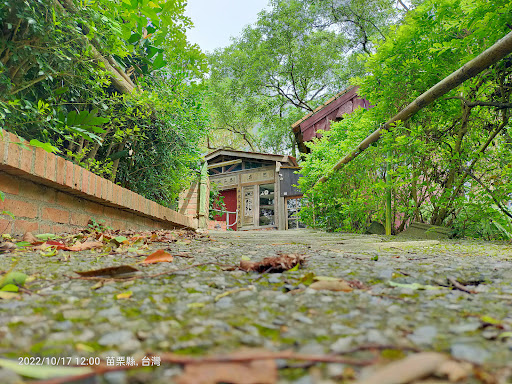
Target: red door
<point x="230" y="201"/>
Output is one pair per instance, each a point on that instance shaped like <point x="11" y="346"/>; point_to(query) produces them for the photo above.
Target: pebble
<point x="115" y="338"/>
<point x="423" y="335"/>
<point x="224" y="303"/>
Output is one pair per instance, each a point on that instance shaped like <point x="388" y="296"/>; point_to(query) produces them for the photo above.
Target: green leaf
<point x="120" y="239"/>
<point x="504" y="335"/>
<point x="46" y="146"/>
<point x="159" y="62"/>
<point x="14" y="278"/>
<point x="46" y="236"/>
<point x="134" y="38"/>
<point x="43" y="372"/>
<point x="10" y="288"/>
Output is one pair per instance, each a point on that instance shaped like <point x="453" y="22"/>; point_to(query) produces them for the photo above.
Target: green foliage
<point x="56" y="89"/>
<point x="297" y="55"/>
<point x="216" y="201"/>
<point x="442" y="170"/>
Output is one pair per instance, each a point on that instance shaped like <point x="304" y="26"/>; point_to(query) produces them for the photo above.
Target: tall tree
<point x="105" y="83"/>
<point x="298" y="54"/>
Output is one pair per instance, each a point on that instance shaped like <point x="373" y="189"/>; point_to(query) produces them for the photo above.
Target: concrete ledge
<point x="47" y="193"/>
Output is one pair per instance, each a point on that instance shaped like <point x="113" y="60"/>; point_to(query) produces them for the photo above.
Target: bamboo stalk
<point x="490" y="56"/>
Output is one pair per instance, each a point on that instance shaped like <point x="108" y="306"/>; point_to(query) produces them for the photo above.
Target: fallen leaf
<point x="10" y="288"/>
<point x="274" y="264"/>
<point x="124" y="295"/>
<point x="504" y="335"/>
<point x="454" y="370"/>
<point x="15" y="278"/>
<point x="120" y="240"/>
<point x="43" y="371"/>
<point x="30" y="238"/>
<point x="159" y="256"/>
<point x="51" y="252"/>
<point x="57" y="244"/>
<point x="85" y="246"/>
<point x="413" y="286"/>
<point x="325" y="278"/>
<point x="7" y="247"/>
<point x="406" y="370"/>
<point x="253" y="372"/>
<point x="489" y="320"/>
<point x="8" y="295"/>
<point x="331" y="285"/>
<point x="110" y="271"/>
<point x="45" y="236"/>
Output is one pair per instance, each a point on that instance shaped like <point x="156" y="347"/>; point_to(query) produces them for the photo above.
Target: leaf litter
<point x="275" y="264"/>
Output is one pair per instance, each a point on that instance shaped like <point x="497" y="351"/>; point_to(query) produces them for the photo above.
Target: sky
<point x="215" y="21"/>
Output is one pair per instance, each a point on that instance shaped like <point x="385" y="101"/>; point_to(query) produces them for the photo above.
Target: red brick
<point x="23" y="226"/>
<point x="56" y="215"/>
<point x="5" y="225"/>
<point x="3" y="146"/>
<point x="117" y="197"/>
<point x="9" y="184"/>
<point x="85" y="181"/>
<point x="19" y="208"/>
<point x="61" y="229"/>
<point x="13" y="152"/>
<point x="110" y="191"/>
<point x="104" y="189"/>
<point x="37" y="192"/>
<point x="98" y="187"/>
<point x="95" y="208"/>
<point x="50" y="167"/>
<point x="68" y="201"/>
<point x="138" y="204"/>
<point x="45" y="228"/>
<point x="77" y="177"/>
<point x="61" y="171"/>
<point x="26" y="156"/>
<point x="69" y="174"/>
<point x="118" y="224"/>
<point x="39" y="161"/>
<point x="79" y="219"/>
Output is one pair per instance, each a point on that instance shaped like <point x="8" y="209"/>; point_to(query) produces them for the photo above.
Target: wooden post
<point x="388" y="194"/>
<point x="203" y="197"/>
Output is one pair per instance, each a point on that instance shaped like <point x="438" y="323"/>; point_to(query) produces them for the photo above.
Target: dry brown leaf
<point x="30" y="238"/>
<point x="411" y="368"/>
<point x="454" y="370"/>
<point x="274" y="264"/>
<point x="159" y="256"/>
<point x="85" y="246"/>
<point x="253" y="372"/>
<point x="331" y="285"/>
<point x="7" y="247"/>
<point x="109" y="272"/>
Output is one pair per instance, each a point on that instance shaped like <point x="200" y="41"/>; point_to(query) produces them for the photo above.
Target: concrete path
<point x="453" y="297"/>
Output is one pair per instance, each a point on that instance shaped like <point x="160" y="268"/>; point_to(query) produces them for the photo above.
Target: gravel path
<point x="410" y="302"/>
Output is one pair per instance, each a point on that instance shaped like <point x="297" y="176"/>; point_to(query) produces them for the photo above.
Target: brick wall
<point x="46" y="193"/>
<point x="189" y="201"/>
